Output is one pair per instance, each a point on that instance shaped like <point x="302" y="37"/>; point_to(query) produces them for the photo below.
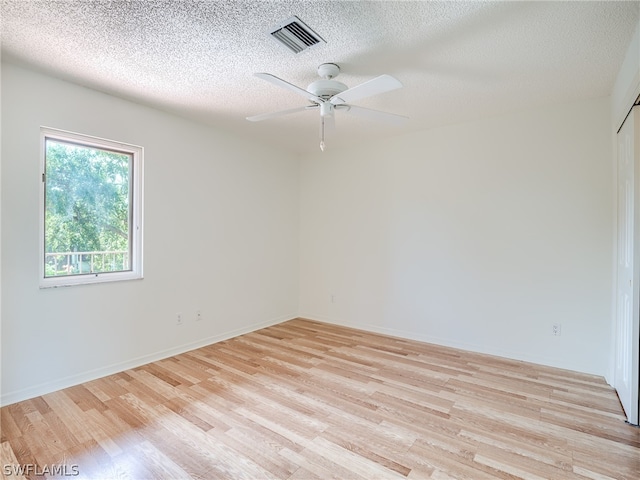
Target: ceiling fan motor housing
<point x="326" y="88"/>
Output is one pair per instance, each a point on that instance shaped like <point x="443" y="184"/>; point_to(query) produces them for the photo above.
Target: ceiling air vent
<point x="295" y="35"/>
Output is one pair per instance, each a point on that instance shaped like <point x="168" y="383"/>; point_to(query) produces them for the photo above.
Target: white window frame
<point x="136" y="236"/>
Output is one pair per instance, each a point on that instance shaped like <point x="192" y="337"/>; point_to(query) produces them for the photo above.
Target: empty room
<point x="320" y="239"/>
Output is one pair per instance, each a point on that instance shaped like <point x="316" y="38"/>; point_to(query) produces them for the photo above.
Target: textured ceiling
<point x="458" y="61"/>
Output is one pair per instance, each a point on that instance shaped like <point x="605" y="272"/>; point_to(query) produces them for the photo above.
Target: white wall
<point x="221" y="235"/>
<point x="479" y="236"/>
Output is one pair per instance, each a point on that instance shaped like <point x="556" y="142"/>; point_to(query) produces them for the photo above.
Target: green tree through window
<point x="87" y="215"/>
<point x="91" y="223"/>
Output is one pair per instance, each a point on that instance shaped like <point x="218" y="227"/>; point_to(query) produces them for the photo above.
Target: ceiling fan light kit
<point x="331" y="95"/>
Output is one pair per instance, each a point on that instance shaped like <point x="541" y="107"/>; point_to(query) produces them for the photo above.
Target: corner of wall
<point x="627" y="85"/>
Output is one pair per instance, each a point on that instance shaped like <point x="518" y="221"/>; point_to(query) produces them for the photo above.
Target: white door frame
<point x="627" y="267"/>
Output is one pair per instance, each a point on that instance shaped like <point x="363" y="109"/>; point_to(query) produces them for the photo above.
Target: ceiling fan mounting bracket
<point x="328" y="70"/>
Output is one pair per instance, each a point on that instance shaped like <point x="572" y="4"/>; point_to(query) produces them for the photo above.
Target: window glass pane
<point x="87" y="221"/>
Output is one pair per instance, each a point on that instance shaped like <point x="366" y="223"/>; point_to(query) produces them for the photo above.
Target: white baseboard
<point x="410" y="335"/>
<point x="8" y="398"/>
<point x="52" y="386"/>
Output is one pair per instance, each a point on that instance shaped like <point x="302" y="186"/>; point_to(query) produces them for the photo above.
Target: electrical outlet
<point x="198" y="316"/>
<point x="556" y="329"/>
<point x="334" y="298"/>
<point x="179" y="318"/>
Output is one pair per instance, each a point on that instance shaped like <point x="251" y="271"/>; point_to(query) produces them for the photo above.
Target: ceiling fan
<point x="328" y="95"/>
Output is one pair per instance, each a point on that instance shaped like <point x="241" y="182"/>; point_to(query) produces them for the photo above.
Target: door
<point x="627" y="331"/>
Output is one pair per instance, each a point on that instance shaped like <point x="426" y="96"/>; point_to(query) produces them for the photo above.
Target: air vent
<point x="295" y="35"/>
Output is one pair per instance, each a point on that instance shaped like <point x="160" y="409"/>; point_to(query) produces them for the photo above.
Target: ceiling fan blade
<point x="265" y="116"/>
<point x="288" y="86"/>
<point x="390" y="118"/>
<point x="381" y="84"/>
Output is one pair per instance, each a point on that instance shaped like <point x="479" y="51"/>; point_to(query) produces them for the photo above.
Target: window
<point x="90" y="210"/>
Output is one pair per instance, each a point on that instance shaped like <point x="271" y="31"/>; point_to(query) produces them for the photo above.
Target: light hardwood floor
<point x="307" y="400"/>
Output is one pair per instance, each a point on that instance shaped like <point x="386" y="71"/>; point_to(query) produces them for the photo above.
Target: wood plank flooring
<point x="307" y="400"/>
